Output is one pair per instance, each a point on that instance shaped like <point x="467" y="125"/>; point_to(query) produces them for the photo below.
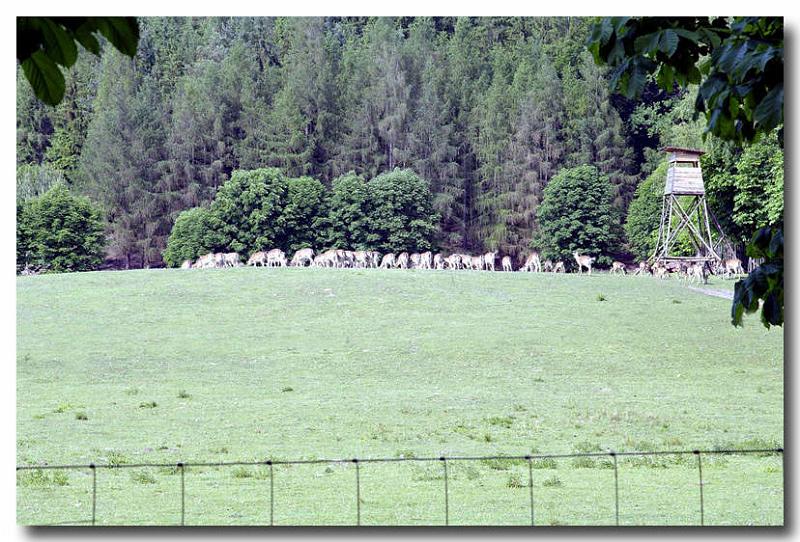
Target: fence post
<point x="530" y="485"/>
<point x="358" y="494"/>
<point x="616" y="487"/>
<point x="271" y="494"/>
<point x="700" y="473"/>
<point x="183" y="495"/>
<point x="446" y="496"/>
<point x="94" y="493"/>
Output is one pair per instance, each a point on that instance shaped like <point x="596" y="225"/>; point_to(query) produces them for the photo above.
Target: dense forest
<point x="486" y="111"/>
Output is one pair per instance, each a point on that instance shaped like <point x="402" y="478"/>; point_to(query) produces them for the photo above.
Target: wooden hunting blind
<point x="684" y="208"/>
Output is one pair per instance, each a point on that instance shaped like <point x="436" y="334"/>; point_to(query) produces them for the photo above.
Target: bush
<point x="304" y="214"/>
<point x="247" y="210"/>
<point x="192" y="235"/>
<point x="577" y="213"/>
<point x="59" y="232"/>
<point x="347" y="222"/>
<point x="644" y="213"/>
<point x="401" y="215"/>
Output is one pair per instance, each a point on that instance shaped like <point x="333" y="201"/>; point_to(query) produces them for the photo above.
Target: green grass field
<point x="251" y="364"/>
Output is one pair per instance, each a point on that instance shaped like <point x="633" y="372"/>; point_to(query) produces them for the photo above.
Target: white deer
<point x="583" y="261"/>
<point x="506" y="263"/>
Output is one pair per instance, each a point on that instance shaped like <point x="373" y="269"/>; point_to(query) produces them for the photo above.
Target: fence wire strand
<point x="181" y="466"/>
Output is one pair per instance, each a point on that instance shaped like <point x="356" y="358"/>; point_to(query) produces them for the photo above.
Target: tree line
<point x="484" y="111"/>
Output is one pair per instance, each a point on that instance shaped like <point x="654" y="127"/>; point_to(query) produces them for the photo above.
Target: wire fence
<point x="443" y="461"/>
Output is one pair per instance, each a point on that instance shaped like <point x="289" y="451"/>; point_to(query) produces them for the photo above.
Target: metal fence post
<point x="358" y="494"/>
<point x="616" y="488"/>
<point x="94" y="493"/>
<point x="183" y="495"/>
<point x="446" y="490"/>
<point x="271" y="494"/>
<point x="530" y="486"/>
<point x="700" y="473"/>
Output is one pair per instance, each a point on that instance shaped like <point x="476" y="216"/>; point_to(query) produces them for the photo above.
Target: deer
<point x="642" y="269"/>
<point x="558" y="267"/>
<point x="617" y="267"/>
<point x="402" y="261"/>
<point x="488" y="260"/>
<point x="258" y="258"/>
<point x="733" y="266"/>
<point x="438" y="261"/>
<point x="547" y="266"/>
<point x="276" y="258"/>
<point x="187" y="264"/>
<point x="532" y="263"/>
<point x="425" y="260"/>
<point x="454" y="261"/>
<point x="388" y="261"/>
<point x="583" y="261"/>
<point x="303" y="256"/>
<point x="506" y="263"/>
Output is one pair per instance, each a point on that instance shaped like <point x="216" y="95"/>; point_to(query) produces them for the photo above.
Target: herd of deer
<point x="338" y="258"/>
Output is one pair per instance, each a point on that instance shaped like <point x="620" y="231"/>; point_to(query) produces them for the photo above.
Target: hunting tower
<point x="684" y="208"/>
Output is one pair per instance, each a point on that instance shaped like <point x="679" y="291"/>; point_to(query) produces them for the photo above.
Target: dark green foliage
<point x="741" y="82"/>
<point x="248" y="210"/>
<point x="401" y="215"/>
<point x="577" y="213"/>
<point x="304" y="214"/>
<point x="347" y="221"/>
<point x="44" y="44"/>
<point x="644" y="214"/>
<point x="762" y="288"/>
<point x="192" y="235"/>
<point x="59" y="232"/>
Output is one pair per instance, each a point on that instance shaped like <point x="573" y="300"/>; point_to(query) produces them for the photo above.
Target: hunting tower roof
<point x="684" y="150"/>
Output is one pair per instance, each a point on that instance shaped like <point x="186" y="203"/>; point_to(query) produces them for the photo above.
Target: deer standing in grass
<point x="583" y="261"/>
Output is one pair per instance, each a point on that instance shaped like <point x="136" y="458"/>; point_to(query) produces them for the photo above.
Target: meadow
<point x="252" y="364"/>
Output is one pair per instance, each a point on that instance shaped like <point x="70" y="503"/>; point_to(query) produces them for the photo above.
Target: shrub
<point x="304" y="214"/>
<point x="577" y="213"/>
<point x="193" y="234"/>
<point x="60" y="232"/>
<point x="401" y="215"/>
<point x="347" y="222"/>
<point x="248" y="209"/>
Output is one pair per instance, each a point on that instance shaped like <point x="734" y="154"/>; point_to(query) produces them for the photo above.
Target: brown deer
<point x="303" y="256"/>
<point x="617" y="267"/>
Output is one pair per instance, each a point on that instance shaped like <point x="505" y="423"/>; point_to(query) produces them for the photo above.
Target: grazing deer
<point x="361" y="259"/>
<point x="276" y="258"/>
<point x="559" y="267"/>
<point x="402" y="261"/>
<point x="454" y="261"/>
<point x="506" y="263"/>
<point x="583" y="261"/>
<point x="205" y="261"/>
<point x="303" y="256"/>
<point x="617" y="267"/>
<point x="533" y="263"/>
<point x="438" y="261"/>
<point x="642" y="269"/>
<point x="477" y="263"/>
<point x="733" y="266"/>
<point x="547" y="266"/>
<point x="374" y="258"/>
<point x="258" y="258"/>
<point x="426" y="260"/>
<point x="488" y="260"/>
<point x="413" y="260"/>
<point x="187" y="264"/>
<point x="388" y="261"/>
<point x="660" y="271"/>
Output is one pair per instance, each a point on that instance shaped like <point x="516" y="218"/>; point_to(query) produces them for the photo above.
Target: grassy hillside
<point x="247" y="364"/>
